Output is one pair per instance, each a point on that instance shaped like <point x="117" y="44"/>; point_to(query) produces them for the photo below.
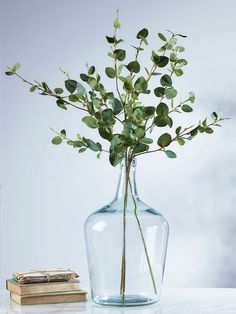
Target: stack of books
<point x="45" y="292"/>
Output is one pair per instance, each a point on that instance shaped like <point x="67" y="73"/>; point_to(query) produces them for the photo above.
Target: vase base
<point x="129" y="300"/>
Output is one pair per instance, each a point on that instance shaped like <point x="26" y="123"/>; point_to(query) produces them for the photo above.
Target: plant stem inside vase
<point x="143" y="239"/>
<point x="128" y="185"/>
<point x="123" y="263"/>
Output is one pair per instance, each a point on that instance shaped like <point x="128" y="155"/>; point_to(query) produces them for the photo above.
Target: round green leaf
<point x="110" y="72"/>
<point x="163" y="61"/>
<point x="160" y="121"/>
<point x="170" y="154"/>
<point x="160" y="61"/>
<point x="92" y="145"/>
<point x="180" y="48"/>
<point x="133" y="66"/>
<point x="173" y="57"/>
<point x="63" y="133"/>
<point x="71" y="85"/>
<point x="140" y="147"/>
<point x="148" y="111"/>
<point x="32" y="88"/>
<point x="178" y="129"/>
<point x="92" y="82"/>
<point x="181" y="63"/>
<point x="209" y="130"/>
<point x="61" y="104"/>
<point x="139" y="132"/>
<point x="91" y="122"/>
<point x="15" y="67"/>
<point x="80" y="89"/>
<point x="162" y="37"/>
<point x="70" y="142"/>
<point x="178" y="72"/>
<point x="168" y="120"/>
<point x="115" y="159"/>
<point x="162" y="109"/>
<point x="83" y="149"/>
<point x="146" y="140"/>
<point x="91" y="70"/>
<point x="116" y="23"/>
<point x="73" y="98"/>
<point x="141" y="84"/>
<point x="110" y="40"/>
<point x="142" y="34"/>
<point x="105" y="133"/>
<point x="57" y="140"/>
<point x="170" y="93"/>
<point x="214" y="115"/>
<point x="164" y="140"/>
<point x="166" y="80"/>
<point x="181" y="141"/>
<point x="117" y="106"/>
<point x="159" y="91"/>
<point x="58" y="91"/>
<point x="187" y="108"/>
<point x="9" y="73"/>
<point x="128" y="85"/>
<point x="84" y="77"/>
<point x="120" y="54"/>
<point x="191" y="97"/>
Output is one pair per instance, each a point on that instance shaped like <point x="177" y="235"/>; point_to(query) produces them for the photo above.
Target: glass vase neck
<point x="131" y="188"/>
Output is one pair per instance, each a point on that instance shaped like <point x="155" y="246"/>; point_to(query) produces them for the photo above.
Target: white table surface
<point x="174" y="301"/>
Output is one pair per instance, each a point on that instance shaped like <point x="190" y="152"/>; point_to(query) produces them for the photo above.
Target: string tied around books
<point x="44" y="275"/>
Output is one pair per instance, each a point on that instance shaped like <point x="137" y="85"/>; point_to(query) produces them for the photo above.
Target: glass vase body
<point x="137" y="278"/>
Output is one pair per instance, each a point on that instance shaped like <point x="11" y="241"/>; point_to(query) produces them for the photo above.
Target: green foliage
<point x="57" y="140"/>
<point x="187" y="108"/>
<point x="123" y="117"/>
<point x="141" y="84"/>
<point x="166" y="80"/>
<point x="170" y="93"/>
<point x="133" y="66"/>
<point x="13" y="70"/>
<point x="110" y="72"/>
<point x="120" y="54"/>
<point x="159" y="91"/>
<point x="170" y="154"/>
<point x="162" y="37"/>
<point x="61" y="104"/>
<point x="91" y="122"/>
<point x="142" y="34"/>
<point x="56" y="90"/>
<point x="117" y="106"/>
<point x="160" y="61"/>
<point x="71" y="85"/>
<point x="164" y="140"/>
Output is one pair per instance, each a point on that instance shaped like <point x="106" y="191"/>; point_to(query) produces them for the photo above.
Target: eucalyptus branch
<point x="116" y="26"/>
<point x="49" y="93"/>
<point x="179" y="106"/>
<point x="171" y="74"/>
<point x="82" y="142"/>
<point x="136" y="120"/>
<point x="154" y="66"/>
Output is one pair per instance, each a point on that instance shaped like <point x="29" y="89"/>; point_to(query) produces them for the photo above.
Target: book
<point x="47" y="298"/>
<point x="33" y="288"/>
<point x="35" y="276"/>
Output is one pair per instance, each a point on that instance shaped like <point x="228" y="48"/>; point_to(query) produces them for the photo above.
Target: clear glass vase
<point x="126" y="243"/>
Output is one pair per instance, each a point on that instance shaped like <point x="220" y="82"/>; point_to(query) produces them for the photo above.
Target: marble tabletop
<point x="174" y="301"/>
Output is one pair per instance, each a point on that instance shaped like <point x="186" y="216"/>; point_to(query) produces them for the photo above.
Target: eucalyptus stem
<point x="123" y="262"/>
<point x="143" y="239"/>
